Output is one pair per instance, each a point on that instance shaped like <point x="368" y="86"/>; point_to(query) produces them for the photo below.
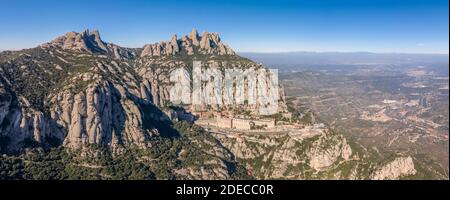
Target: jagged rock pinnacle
<point x="194" y="37"/>
<point x="90" y="42"/>
<point x="208" y="44"/>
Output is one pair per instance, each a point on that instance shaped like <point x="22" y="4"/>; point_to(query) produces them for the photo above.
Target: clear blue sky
<point x="418" y="26"/>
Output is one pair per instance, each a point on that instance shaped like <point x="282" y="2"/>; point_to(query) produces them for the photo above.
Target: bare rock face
<point x="21" y="122"/>
<point x="174" y="44"/>
<point x="399" y="167"/>
<point x="87" y="116"/>
<point x="285" y="156"/>
<point x="105" y="112"/>
<point x="90" y="42"/>
<point x="5" y="102"/>
<point x="216" y="93"/>
<point x="193" y="36"/>
<point x="207" y="44"/>
<point x="326" y="152"/>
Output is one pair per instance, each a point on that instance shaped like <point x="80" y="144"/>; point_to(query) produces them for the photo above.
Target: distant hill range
<point x="345" y="58"/>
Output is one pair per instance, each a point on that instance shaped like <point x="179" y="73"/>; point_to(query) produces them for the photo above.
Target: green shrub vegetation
<point x="164" y="155"/>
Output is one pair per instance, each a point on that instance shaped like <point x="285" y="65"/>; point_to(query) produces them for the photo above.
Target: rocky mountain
<point x="89" y="109"/>
<point x="87" y="91"/>
<point x="90" y="42"/>
<point x="206" y="44"/>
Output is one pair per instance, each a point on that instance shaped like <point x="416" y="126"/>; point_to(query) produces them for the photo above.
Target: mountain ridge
<point x="90" y="41"/>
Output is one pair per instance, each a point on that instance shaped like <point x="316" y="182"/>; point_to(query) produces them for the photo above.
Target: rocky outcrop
<point x="283" y="156"/>
<point x="90" y="42"/>
<point x="256" y="91"/>
<point x="21" y="124"/>
<point x="5" y="102"/>
<point x="208" y="44"/>
<point x="395" y="169"/>
<point x="193" y="36"/>
<point x="326" y="151"/>
<point x="108" y="111"/>
<point x="103" y="114"/>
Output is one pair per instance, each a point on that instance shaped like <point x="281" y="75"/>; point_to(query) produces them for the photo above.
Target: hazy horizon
<point x="265" y="52"/>
<point x="289" y="52"/>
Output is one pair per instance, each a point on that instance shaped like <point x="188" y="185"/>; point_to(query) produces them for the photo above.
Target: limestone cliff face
<point x="102" y="114"/>
<point x="214" y="92"/>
